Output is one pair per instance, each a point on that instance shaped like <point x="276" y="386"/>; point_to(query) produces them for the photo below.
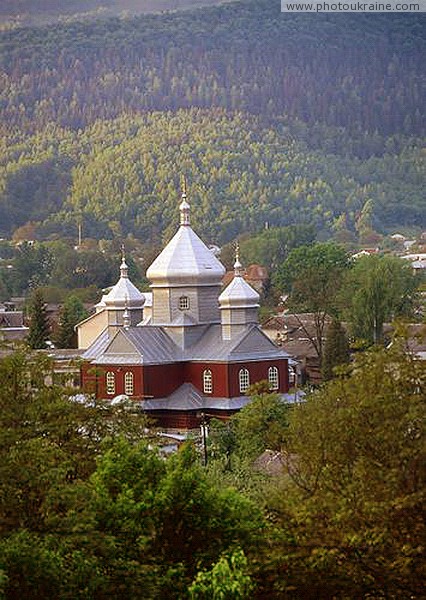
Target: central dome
<point x="185" y="260"/>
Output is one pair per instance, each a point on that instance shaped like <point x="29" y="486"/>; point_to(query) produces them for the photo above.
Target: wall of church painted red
<point x="94" y="380"/>
<point x="193" y="373"/>
<point x="258" y="371"/>
<point x="162" y="380"/>
<point x="159" y="381"/>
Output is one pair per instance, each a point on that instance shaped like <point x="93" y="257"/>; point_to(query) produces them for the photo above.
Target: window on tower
<point x="110" y="382"/>
<point x="207" y="382"/>
<point x="244" y="379"/>
<point x="273" y="378"/>
<point x="184" y="303"/>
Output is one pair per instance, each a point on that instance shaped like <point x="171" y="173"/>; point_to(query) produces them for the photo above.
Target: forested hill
<point x="15" y="13"/>
<point x="123" y="176"/>
<point x="277" y="118"/>
<point x="359" y="71"/>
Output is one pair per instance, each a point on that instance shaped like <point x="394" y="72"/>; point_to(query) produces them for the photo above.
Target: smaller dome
<point x="124" y="293"/>
<point x="239" y="294"/>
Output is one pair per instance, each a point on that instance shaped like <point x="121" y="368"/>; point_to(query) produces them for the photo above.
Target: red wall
<point x="194" y="374"/>
<point x="159" y="381"/>
<point x="258" y="371"/>
<point x="162" y="380"/>
<point x="94" y="380"/>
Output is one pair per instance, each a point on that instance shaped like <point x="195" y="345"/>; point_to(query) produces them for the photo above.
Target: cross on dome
<point x="238" y="267"/>
<point x="184" y="206"/>
<point x="124" y="271"/>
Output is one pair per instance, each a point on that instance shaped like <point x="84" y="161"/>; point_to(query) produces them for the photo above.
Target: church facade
<point x="189" y="348"/>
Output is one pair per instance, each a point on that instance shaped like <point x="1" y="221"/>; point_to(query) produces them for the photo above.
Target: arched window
<point x="207" y="382"/>
<point x="273" y="378"/>
<point x="184" y="303"/>
<point x="110" y="382"/>
<point x="128" y="383"/>
<point x="244" y="377"/>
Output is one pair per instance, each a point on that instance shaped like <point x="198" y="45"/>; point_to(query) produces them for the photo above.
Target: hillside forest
<point x="275" y="120"/>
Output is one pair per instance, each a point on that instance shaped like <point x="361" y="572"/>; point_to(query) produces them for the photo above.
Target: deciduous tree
<point x="312" y="275"/>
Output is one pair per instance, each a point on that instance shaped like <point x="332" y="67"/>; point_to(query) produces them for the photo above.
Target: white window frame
<point x="110" y="382"/>
<point x="207" y="382"/>
<point x="129" y="383"/>
<point x="273" y="378"/>
<point x="244" y="380"/>
<point x="184" y="303"/>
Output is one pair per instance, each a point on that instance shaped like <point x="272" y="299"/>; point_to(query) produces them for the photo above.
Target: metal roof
<point x="252" y="344"/>
<point x="239" y="294"/>
<point x="124" y="293"/>
<point x="185" y="260"/>
<point x="98" y="347"/>
<point x="152" y="345"/>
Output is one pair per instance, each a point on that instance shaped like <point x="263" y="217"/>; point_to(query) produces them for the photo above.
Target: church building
<point x="189" y="348"/>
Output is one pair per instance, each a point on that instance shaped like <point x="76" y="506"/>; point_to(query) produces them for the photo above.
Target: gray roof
<point x="97" y="347"/>
<point x="239" y="294"/>
<point x="252" y="344"/>
<point x="185" y="260"/>
<point x="187" y="397"/>
<point x="134" y="345"/>
<point x="152" y="345"/>
<point x="124" y="293"/>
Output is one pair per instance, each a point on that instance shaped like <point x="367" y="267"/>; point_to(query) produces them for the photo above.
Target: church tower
<point x="239" y="304"/>
<point x="185" y="281"/>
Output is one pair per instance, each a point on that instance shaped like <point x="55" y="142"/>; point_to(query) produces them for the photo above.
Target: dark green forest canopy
<point x="357" y="71"/>
<point x="122" y="176"/>
<point x="278" y="119"/>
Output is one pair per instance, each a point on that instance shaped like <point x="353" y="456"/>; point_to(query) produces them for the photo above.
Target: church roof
<point x="152" y="345"/>
<point x="239" y="294"/>
<point x="124" y="293"/>
<point x="186" y="259"/>
<point x="250" y="345"/>
<point x="187" y="397"/>
<point x="135" y="345"/>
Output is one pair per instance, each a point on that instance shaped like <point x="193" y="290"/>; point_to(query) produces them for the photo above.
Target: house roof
<point x="11" y="318"/>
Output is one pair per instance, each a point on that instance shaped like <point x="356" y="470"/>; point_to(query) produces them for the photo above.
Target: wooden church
<point x="189" y="347"/>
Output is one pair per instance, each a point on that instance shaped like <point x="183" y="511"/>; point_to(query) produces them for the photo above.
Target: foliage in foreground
<point x="88" y="510"/>
<point x="354" y="497"/>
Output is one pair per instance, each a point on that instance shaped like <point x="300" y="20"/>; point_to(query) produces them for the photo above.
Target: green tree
<point x="39" y="323"/>
<point x="72" y="312"/>
<point x="32" y="267"/>
<point x="261" y="424"/>
<point x="336" y="349"/>
<point x="351" y="504"/>
<point x="378" y="289"/>
<point x="89" y="510"/>
<point x="228" y="579"/>
<point x="312" y="275"/>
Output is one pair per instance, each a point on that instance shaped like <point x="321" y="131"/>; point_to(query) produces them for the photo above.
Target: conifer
<point x="39" y="321"/>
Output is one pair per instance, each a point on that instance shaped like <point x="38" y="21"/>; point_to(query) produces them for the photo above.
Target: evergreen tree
<point x="71" y="313"/>
<point x="336" y="349"/>
<point x="39" y="322"/>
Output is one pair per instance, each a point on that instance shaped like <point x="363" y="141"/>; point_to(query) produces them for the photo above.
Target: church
<point x="188" y="347"/>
